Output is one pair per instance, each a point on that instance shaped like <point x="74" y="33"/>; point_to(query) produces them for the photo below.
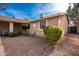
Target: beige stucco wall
<point x="35" y="25"/>
<point x="37" y="32"/>
<point x="58" y="21"/>
<point x="52" y="21"/>
<point x="35" y="28"/>
<point x="63" y="23"/>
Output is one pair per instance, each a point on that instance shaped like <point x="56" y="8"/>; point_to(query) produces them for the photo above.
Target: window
<point x="42" y="24"/>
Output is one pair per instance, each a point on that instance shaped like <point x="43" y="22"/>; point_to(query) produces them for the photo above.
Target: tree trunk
<point x="78" y="21"/>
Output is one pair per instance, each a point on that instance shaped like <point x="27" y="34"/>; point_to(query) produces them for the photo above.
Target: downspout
<point x="68" y="19"/>
<point x="68" y="28"/>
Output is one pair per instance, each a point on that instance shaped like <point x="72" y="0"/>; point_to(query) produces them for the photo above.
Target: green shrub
<point x="26" y="33"/>
<point x="53" y="33"/>
<point x="12" y="34"/>
<point x="25" y="27"/>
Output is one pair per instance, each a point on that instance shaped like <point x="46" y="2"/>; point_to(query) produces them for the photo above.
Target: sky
<point x="32" y="11"/>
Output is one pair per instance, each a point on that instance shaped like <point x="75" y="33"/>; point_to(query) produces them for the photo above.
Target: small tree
<point x="26" y="32"/>
<point x="25" y="27"/>
<point x="27" y="19"/>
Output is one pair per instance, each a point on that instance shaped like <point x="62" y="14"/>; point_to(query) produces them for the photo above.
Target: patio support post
<point x="11" y="27"/>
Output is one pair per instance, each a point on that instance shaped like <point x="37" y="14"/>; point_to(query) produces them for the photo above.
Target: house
<point x="59" y="19"/>
<point x="8" y="24"/>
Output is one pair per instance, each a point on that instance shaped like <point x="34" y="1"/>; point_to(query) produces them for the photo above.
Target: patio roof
<point x="8" y="19"/>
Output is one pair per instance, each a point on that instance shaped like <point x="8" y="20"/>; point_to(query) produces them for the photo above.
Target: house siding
<point x="63" y="23"/>
<point x="35" y="28"/>
<point x="53" y="21"/>
<point x="35" y="25"/>
<point x="58" y="21"/>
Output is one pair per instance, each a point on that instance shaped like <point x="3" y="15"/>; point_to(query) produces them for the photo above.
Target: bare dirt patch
<point x="35" y="46"/>
<point x="26" y="46"/>
<point x="69" y="46"/>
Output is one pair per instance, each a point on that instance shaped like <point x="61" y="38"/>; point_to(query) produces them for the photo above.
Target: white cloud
<point x="18" y="14"/>
<point x="61" y="7"/>
<point x="48" y="9"/>
<point x="51" y="9"/>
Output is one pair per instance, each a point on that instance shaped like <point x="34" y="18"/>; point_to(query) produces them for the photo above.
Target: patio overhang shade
<point x="11" y="22"/>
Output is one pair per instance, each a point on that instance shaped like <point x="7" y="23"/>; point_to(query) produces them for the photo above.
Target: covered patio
<point x="11" y="25"/>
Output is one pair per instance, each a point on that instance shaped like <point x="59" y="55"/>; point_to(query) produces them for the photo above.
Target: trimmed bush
<point x="12" y="34"/>
<point x="27" y="33"/>
<point x="53" y="33"/>
<point x="25" y="27"/>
